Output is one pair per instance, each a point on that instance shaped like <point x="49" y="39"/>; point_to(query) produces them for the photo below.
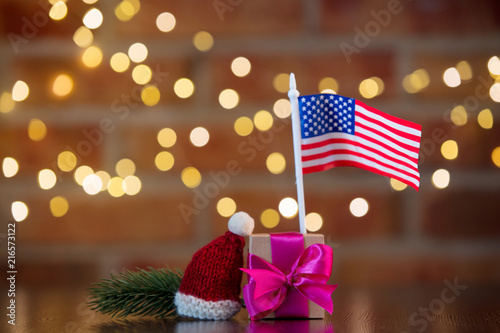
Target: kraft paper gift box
<point x="266" y="247"/>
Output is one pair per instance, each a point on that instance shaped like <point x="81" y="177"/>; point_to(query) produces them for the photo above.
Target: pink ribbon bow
<point x="267" y="289"/>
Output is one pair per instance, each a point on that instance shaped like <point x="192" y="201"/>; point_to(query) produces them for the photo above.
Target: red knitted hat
<point x="210" y="288"/>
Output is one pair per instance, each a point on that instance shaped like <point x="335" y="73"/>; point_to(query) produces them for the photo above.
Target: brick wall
<point x="405" y="237"/>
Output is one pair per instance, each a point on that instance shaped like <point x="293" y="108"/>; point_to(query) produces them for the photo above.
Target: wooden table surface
<point x="449" y="307"/>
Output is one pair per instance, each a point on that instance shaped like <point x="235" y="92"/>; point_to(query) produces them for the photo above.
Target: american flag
<point x="341" y="131"/>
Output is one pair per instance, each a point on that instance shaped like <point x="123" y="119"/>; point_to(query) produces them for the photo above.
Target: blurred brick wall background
<point x="406" y="236"/>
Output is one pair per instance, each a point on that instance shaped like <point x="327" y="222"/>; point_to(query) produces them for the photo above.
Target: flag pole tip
<point x="293" y="85"/>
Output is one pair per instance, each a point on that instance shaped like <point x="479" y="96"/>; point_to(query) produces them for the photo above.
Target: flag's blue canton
<point x="326" y="113"/>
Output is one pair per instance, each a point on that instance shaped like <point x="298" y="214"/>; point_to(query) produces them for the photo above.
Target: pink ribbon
<point x="268" y="286"/>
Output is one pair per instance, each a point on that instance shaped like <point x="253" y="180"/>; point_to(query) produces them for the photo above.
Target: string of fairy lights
<point x="126" y="182"/>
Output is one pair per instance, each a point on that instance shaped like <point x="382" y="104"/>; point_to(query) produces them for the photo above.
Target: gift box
<point x="287" y="276"/>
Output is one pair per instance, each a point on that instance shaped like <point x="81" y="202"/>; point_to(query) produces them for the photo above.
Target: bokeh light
<point x="494" y="65"/>
<point x="119" y="62"/>
<point x="191" y="177"/>
<point x="241" y="66"/>
<point x="83" y="37"/>
<point x="167" y="137"/>
<point x="92" y="184"/>
<point x="142" y="74"/>
<point x="131" y="185"/>
<point x="125" y="167"/>
<point x="62" y="85"/>
<point x="288" y="207"/>
<point x="328" y="85"/>
<point x="138" y="52"/>
<point x="184" y="88"/>
<point x="441" y="178"/>
<point x="81" y="172"/>
<point x="371" y="87"/>
<point x="226" y="207"/>
<point x="270" y="218"/>
<point x="282" y="108"/>
<point x="451" y="77"/>
<point x="485" y="119"/>
<point x="150" y="95"/>
<point x="314" y="222"/>
<point x="458" y="115"/>
<point x="276" y="163"/>
<point x="281" y="82"/>
<point x="93" y="18"/>
<point x="19" y="211"/>
<point x="20" y="91"/>
<point x="165" y="22"/>
<point x="66" y="161"/>
<point x="359" y="207"/>
<point x="416" y="81"/>
<point x="92" y="56"/>
<point x="199" y="136"/>
<point x="10" y="167"/>
<point x="228" y="99"/>
<point x="203" y="41"/>
<point x="164" y="161"/>
<point x="243" y="126"/>
<point x="58" y="11"/>
<point x="125" y="10"/>
<point x="495" y="92"/>
<point x="46" y="179"/>
<point x="263" y="120"/>
<point x="36" y="129"/>
<point x="495" y="156"/>
<point x="397" y="185"/>
<point x="59" y="206"/>
<point x="115" y="187"/>
<point x="464" y="70"/>
<point x="449" y="149"/>
<point x="105" y="178"/>
<point x="7" y="104"/>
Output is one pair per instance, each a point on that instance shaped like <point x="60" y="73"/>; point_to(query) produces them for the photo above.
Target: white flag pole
<point x="293" y="94"/>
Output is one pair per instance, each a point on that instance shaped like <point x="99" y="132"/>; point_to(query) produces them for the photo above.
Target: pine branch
<point x="138" y="293"/>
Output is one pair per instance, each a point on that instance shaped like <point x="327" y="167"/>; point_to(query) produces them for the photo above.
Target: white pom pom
<point x="241" y="224"/>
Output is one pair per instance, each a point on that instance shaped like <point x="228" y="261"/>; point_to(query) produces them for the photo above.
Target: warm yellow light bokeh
<point x="58" y="11"/>
<point x="59" y="206"/>
<point x="243" y="126"/>
<point x="441" y="178"/>
<point x="19" y="211"/>
<point x="241" y="66"/>
<point x="288" y="207"/>
<point x="92" y="56"/>
<point x="167" y="137"/>
<point x="105" y="178"/>
<point x="191" y="177"/>
<point x="263" y="120"/>
<point x="47" y="179"/>
<point x="93" y="18"/>
<point x="142" y="74"/>
<point x="464" y="70"/>
<point x="226" y="207"/>
<point x="328" y="83"/>
<point x="92" y="184"/>
<point x="359" y="207"/>
<point x="62" y="85"/>
<point x="371" y="87"/>
<point x="485" y="119"/>
<point x="494" y="65"/>
<point x="66" y="161"/>
<point x="36" y="129"/>
<point x="83" y="37"/>
<point x="449" y="149"/>
<point x="203" y="41"/>
<point x="7" y="104"/>
<point x="165" y="22"/>
<point x="281" y="82"/>
<point x="199" y="136"/>
<point x="125" y="167"/>
<point x="314" y="222"/>
<point x="164" y="161"/>
<point x="184" y="88"/>
<point x="276" y="163"/>
<point x="459" y="115"/>
<point x="397" y="185"/>
<point x="150" y="95"/>
<point x="270" y="218"/>
<point x="495" y="156"/>
<point x="451" y="77"/>
<point x="131" y="185"/>
<point x="81" y="172"/>
<point x="138" y="52"/>
<point x="10" y="167"/>
<point x="282" y="108"/>
<point x="20" y="91"/>
<point x="228" y="99"/>
<point x="119" y="62"/>
<point x="115" y="187"/>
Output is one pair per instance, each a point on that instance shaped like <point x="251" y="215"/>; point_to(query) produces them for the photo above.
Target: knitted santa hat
<point x="210" y="288"/>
